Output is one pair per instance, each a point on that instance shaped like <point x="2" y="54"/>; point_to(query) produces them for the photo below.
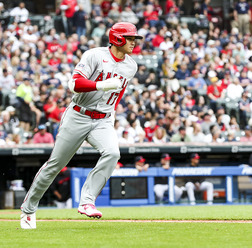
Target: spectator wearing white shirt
<point x="211" y="48"/>
<point x="20" y="13"/>
<point x="197" y="134"/>
<point x="234" y="90"/>
<point x="126" y="139"/>
<point x="184" y="31"/>
<point x="128" y="15"/>
<point x="136" y="131"/>
<point x="7" y="83"/>
<point x="29" y="37"/>
<point x="167" y="43"/>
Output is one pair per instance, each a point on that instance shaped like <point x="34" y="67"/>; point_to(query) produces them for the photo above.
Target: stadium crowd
<point x="199" y="91"/>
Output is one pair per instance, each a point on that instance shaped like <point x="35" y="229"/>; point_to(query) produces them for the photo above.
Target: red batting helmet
<point x="120" y="30"/>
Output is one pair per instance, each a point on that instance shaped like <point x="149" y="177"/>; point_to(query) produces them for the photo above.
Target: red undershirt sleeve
<point x="83" y="85"/>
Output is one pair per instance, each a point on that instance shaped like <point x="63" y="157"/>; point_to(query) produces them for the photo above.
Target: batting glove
<point x="109" y="84"/>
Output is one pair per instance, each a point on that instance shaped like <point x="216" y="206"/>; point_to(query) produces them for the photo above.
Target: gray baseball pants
<point x="74" y="129"/>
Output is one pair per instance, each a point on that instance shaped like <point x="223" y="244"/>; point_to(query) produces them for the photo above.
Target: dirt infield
<point x="150" y="221"/>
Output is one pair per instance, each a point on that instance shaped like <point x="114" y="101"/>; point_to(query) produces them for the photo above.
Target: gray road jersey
<point x="97" y="64"/>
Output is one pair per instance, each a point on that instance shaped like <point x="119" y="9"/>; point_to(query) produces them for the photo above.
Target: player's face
<point x="130" y="44"/>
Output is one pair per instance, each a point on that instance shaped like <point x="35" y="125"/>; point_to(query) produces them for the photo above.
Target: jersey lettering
<point x="112" y="98"/>
<point x="108" y="75"/>
<point x="124" y="83"/>
<point x="100" y="77"/>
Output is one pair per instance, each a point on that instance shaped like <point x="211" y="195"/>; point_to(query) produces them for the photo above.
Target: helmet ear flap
<point x="118" y="40"/>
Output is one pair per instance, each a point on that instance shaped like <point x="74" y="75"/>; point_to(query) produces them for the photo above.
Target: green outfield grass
<point x="97" y="233"/>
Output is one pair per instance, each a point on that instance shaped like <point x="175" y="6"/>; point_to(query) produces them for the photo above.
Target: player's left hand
<point x="109" y="84"/>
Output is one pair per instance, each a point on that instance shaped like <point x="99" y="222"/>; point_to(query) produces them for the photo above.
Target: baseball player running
<point x="98" y="83"/>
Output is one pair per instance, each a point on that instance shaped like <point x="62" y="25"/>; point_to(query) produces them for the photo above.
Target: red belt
<point x="92" y="114"/>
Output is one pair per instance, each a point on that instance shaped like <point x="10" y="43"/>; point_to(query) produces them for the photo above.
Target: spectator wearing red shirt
<point x="58" y="111"/>
<point x="215" y="92"/>
<point x="42" y="136"/>
<point x="54" y="61"/>
<point x="49" y="107"/>
<point x="106" y="7"/>
<point x="150" y="130"/>
<point x="151" y="17"/>
<point x="169" y="5"/>
<point x="54" y="45"/>
<point x="70" y="7"/>
<point x="159" y="38"/>
<point x="227" y="79"/>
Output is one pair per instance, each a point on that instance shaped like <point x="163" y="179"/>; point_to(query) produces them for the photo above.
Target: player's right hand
<point x="109" y="84"/>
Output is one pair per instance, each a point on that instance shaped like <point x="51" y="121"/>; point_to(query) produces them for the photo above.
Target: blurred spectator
<point x="196" y="82"/>
<point x="227" y="80"/>
<point x="245" y="108"/>
<point x="157" y="38"/>
<point x="52" y="82"/>
<point x="114" y="14"/>
<point x="167" y="43"/>
<point x="106" y="6"/>
<point x="233" y="125"/>
<point x="234" y="90"/>
<point x="7" y="84"/>
<point x="151" y="16"/>
<point x="206" y="123"/>
<point x="172" y="17"/>
<point x="197" y="183"/>
<point x="169" y="5"/>
<point x="136" y="131"/>
<point x="248" y="135"/>
<point x="148" y="48"/>
<point x="119" y="128"/>
<point x="69" y="7"/>
<point x="230" y="136"/>
<point x="14" y="121"/>
<point x="181" y="8"/>
<point x="24" y="98"/>
<point x="182" y="73"/>
<point x="126" y="139"/>
<point x="184" y="31"/>
<point x="96" y="12"/>
<point x="61" y="188"/>
<point x="181" y="136"/>
<point x="98" y="32"/>
<point x="42" y="136"/>
<point x="140" y="164"/>
<point x="215" y="92"/>
<point x="7" y="125"/>
<point x="242" y="15"/>
<point x="79" y="21"/>
<point x="160" y="136"/>
<point x="244" y="80"/>
<point x="20" y="13"/>
<point x="150" y="128"/>
<point x="224" y="117"/>
<point x="128" y="15"/>
<point x="161" y="183"/>
<point x="197" y="134"/>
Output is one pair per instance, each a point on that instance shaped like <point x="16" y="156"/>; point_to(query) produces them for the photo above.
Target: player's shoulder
<point x="131" y="61"/>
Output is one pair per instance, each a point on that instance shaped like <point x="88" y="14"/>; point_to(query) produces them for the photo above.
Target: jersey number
<point x="112" y="98"/>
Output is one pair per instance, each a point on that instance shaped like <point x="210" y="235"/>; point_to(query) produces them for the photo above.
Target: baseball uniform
<point x="88" y="117"/>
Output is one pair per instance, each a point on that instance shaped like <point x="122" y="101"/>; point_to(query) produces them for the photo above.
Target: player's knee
<point x="189" y="185"/>
<point x="210" y="186"/>
<point x="113" y="154"/>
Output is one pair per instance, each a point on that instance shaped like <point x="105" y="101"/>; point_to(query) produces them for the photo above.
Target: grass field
<point x="133" y="227"/>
